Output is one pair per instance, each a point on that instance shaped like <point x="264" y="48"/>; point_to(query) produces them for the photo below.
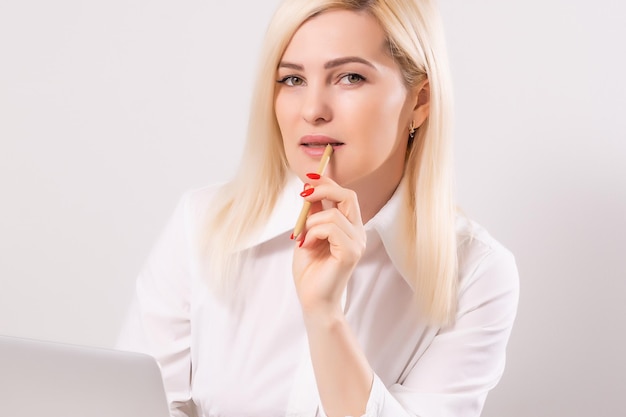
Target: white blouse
<point x="250" y="357"/>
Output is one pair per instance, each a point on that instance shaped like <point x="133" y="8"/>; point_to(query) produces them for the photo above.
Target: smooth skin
<point x="337" y="81"/>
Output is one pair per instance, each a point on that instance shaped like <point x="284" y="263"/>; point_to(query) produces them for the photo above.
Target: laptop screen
<point x="39" y="378"/>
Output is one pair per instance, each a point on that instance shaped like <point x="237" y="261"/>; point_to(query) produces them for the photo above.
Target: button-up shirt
<point x="248" y="355"/>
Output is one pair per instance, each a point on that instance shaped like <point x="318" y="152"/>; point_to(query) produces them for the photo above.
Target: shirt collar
<point x="385" y="222"/>
<point x="284" y="215"/>
<point x="390" y="229"/>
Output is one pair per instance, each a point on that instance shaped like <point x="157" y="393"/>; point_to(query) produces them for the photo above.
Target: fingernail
<point x="313" y="176"/>
<point x="301" y="243"/>
<point x="307" y="192"/>
<point x="292" y="236"/>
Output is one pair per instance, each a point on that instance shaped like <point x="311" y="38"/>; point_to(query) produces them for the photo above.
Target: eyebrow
<point x="330" y="64"/>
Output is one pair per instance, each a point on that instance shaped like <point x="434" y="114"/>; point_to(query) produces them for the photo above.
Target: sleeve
<point x="158" y="320"/>
<point x="465" y="361"/>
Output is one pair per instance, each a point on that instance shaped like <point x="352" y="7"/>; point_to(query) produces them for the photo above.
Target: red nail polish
<point x="307" y="192"/>
<point x="301" y="243"/>
<point x="313" y="176"/>
<point x="292" y="236"/>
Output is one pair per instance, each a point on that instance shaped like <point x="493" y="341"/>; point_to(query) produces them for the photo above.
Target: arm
<point x="461" y="364"/>
<point x="157" y="322"/>
<point x="465" y="361"/>
<point x="326" y="255"/>
<point x="344" y="377"/>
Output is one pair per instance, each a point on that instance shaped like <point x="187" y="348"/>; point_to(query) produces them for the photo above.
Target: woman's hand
<point x="329" y="247"/>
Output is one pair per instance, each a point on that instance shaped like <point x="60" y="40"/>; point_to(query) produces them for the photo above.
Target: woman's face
<point x="339" y="84"/>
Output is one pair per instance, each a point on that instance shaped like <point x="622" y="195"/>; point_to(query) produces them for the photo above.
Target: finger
<point x="342" y="247"/>
<point x="336" y="217"/>
<point x="344" y="199"/>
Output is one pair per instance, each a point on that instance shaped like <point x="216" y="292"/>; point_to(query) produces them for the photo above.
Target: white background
<point x="109" y="110"/>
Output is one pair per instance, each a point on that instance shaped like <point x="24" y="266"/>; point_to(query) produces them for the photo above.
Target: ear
<point x="422" y="103"/>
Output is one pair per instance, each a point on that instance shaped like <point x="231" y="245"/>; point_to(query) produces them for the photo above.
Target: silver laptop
<point x="45" y="379"/>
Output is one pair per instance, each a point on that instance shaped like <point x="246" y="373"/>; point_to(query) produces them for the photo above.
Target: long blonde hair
<point x="416" y="41"/>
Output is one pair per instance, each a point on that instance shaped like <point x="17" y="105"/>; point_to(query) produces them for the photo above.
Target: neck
<point x="375" y="190"/>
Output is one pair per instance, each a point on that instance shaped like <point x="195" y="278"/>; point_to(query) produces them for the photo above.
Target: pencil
<point x="307" y="205"/>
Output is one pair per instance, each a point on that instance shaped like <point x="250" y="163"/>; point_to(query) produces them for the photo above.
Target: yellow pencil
<point x="307" y="205"/>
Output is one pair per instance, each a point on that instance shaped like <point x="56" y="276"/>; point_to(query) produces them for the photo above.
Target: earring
<point x="412" y="130"/>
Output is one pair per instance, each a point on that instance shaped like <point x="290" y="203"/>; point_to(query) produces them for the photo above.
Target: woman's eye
<point x="351" y="79"/>
<point x="292" y="81"/>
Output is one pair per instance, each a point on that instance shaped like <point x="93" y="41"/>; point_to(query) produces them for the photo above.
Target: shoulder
<point x="192" y="208"/>
<point x="202" y="196"/>
<point x="483" y="261"/>
<point x="474" y="241"/>
<point x="195" y="202"/>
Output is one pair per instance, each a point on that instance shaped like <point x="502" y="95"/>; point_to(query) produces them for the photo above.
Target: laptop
<point x="48" y="379"/>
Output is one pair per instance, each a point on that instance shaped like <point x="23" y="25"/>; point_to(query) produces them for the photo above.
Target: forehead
<point x="336" y="33"/>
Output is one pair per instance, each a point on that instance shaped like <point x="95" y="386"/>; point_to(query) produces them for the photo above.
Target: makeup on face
<point x="338" y="85"/>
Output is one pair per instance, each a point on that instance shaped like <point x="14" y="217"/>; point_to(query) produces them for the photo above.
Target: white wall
<point x="541" y="151"/>
<point x="110" y="110"/>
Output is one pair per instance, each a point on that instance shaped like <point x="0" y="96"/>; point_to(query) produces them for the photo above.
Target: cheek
<point x="278" y="113"/>
<point x="379" y="118"/>
<point x="281" y="111"/>
<point x="281" y="119"/>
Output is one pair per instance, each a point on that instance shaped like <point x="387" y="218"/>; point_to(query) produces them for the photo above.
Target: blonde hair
<point x="416" y="42"/>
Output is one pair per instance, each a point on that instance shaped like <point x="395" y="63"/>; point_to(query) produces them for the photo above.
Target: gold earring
<point x="412" y="129"/>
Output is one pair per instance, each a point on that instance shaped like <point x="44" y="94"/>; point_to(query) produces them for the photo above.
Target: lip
<point x="319" y="141"/>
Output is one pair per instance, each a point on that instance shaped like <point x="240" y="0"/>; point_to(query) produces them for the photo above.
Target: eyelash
<point x="353" y="74"/>
<point x="289" y="79"/>
<point x="285" y="80"/>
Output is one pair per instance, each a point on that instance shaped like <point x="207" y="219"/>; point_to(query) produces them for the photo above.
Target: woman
<point x="388" y="303"/>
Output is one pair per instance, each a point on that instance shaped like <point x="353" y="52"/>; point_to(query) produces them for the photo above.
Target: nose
<point x="316" y="105"/>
